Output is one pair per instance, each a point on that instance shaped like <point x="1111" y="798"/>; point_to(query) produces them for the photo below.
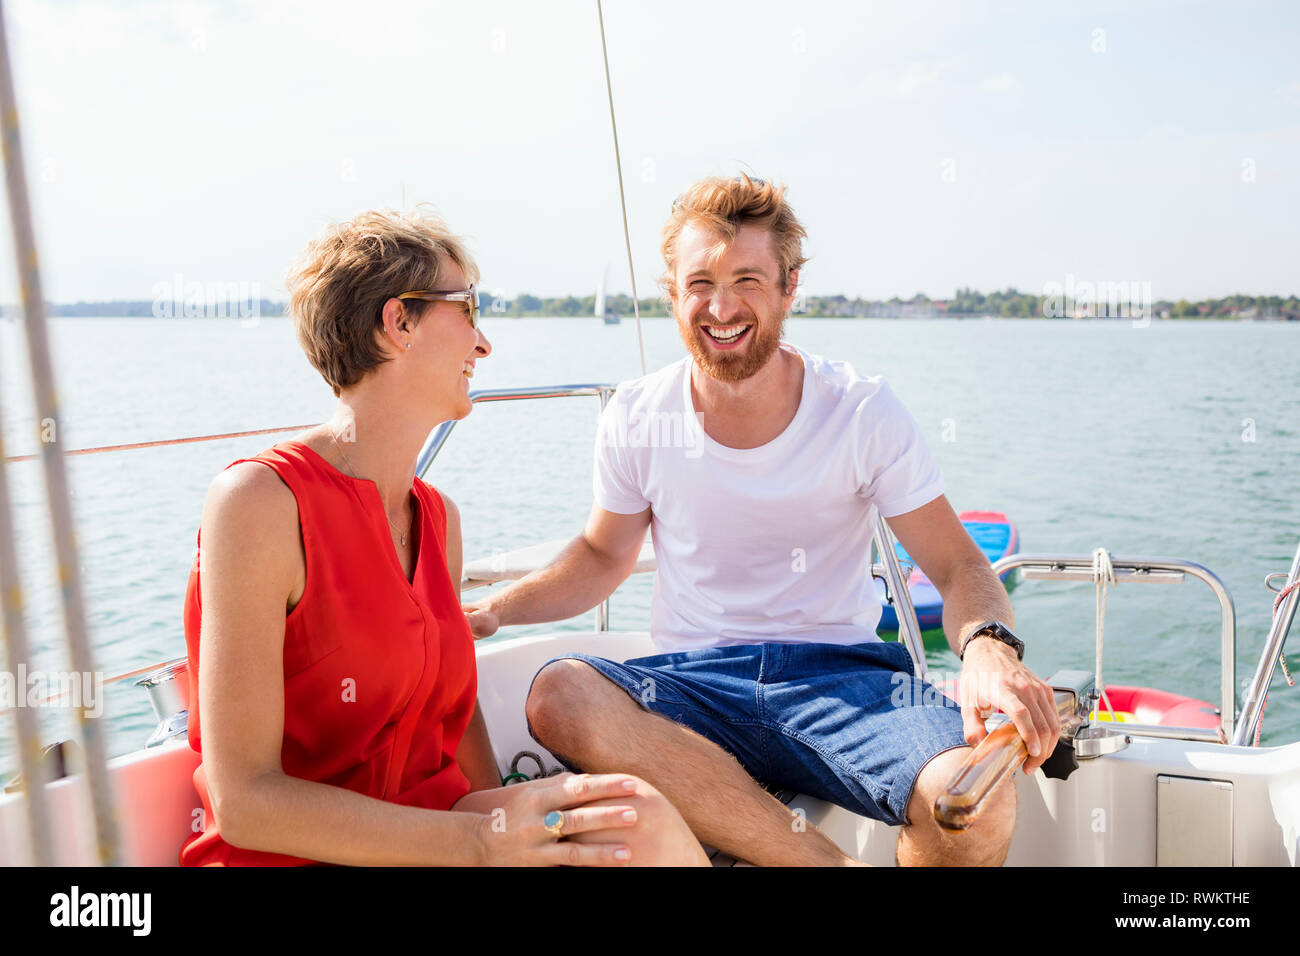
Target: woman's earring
<point x="408" y="345"/>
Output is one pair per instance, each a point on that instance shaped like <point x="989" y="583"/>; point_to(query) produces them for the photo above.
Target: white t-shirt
<point x="771" y="543"/>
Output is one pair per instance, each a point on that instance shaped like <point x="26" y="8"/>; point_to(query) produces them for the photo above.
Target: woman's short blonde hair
<point x="337" y="289"/>
<point x="724" y="204"/>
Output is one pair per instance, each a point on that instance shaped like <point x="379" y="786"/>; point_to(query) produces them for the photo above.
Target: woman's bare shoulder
<point x="250" y="489"/>
<point x="252" y="550"/>
<point x="249" y="511"/>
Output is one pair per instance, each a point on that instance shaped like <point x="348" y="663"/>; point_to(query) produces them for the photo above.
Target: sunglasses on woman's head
<point x="468" y="296"/>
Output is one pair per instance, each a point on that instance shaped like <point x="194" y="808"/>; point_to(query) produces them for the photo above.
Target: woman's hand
<point x="513" y="831"/>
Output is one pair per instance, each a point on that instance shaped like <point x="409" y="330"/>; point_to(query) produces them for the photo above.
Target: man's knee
<point x="986" y="840"/>
<point x="559" y="703"/>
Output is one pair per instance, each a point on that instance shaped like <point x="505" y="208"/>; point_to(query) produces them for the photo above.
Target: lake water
<point x="1177" y="439"/>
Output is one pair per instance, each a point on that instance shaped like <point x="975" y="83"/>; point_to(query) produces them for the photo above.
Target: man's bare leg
<point x="924" y="843"/>
<point x="722" y="804"/>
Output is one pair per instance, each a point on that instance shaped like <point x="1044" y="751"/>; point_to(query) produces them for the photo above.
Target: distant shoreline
<point x="1082" y="301"/>
<point x="628" y="319"/>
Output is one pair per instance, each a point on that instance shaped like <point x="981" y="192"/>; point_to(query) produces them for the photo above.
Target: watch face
<point x="1006" y="637"/>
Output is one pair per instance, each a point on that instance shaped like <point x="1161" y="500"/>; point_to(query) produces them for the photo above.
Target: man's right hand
<point x="482" y="622"/>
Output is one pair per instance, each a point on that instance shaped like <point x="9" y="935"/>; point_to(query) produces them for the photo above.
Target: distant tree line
<point x="965" y="302"/>
<point x="1100" y="302"/>
<point x="524" y="304"/>
<point x="149" y="308"/>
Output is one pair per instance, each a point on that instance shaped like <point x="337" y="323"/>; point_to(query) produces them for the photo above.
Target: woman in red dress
<point x="331" y="664"/>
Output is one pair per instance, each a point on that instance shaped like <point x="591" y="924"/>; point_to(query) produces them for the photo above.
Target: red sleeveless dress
<point x="379" y="672"/>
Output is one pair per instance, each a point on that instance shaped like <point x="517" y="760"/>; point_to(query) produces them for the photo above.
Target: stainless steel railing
<point x="1253" y="707"/>
<point x="438" y="437"/>
<point x="909" y="628"/>
<point x="1155" y="571"/>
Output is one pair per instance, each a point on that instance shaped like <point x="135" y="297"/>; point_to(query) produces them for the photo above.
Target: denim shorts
<point x="850" y="724"/>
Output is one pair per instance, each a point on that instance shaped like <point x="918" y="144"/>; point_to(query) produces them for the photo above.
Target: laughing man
<point x="764" y="608"/>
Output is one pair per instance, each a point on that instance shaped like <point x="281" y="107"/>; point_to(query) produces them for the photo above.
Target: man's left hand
<point x="993" y="679"/>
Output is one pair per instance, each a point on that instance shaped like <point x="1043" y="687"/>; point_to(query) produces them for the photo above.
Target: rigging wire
<point x="618" y="163"/>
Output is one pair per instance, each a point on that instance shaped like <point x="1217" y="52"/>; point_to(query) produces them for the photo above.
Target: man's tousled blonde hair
<point x="724" y="204"/>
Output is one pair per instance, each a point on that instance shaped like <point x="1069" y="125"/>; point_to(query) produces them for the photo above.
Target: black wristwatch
<point x="999" y="632"/>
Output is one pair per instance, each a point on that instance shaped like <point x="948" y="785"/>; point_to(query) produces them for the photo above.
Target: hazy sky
<point x="926" y="145"/>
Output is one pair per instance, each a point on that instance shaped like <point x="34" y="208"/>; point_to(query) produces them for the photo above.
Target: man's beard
<point x="734" y="365"/>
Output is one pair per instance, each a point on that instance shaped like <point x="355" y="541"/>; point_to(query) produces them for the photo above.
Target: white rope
<point x="1103" y="574"/>
<point x="57" y="493"/>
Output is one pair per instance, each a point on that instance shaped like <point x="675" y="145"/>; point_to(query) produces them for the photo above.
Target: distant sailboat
<point x="610" y="318"/>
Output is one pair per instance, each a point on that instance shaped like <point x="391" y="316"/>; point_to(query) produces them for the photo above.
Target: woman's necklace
<point x="353" y="472"/>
